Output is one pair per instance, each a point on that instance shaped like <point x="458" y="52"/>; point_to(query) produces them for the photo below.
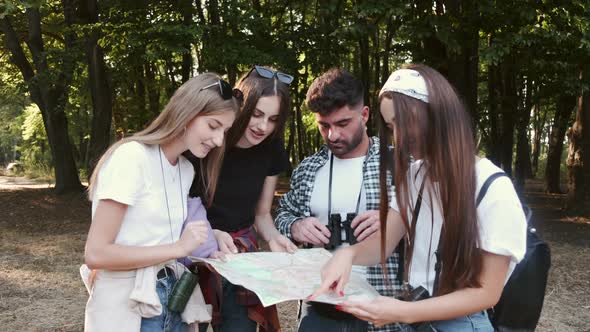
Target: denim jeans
<point x="167" y="321"/>
<point x="324" y="317"/>
<point x="477" y="322"/>
<point x="234" y="316"/>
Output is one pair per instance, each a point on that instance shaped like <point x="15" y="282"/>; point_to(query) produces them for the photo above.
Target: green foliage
<point x="34" y="148"/>
<point x="12" y="103"/>
<point x="308" y="119"/>
<point x="145" y="43"/>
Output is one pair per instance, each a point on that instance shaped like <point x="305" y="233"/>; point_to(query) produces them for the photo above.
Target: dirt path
<point x="16" y="182"/>
<point x="42" y="239"/>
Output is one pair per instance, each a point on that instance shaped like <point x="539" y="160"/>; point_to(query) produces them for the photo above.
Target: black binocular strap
<point x="358" y="200"/>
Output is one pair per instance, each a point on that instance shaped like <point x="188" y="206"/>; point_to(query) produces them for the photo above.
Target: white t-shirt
<point x="347" y="183"/>
<point x="502" y="224"/>
<point x="133" y="176"/>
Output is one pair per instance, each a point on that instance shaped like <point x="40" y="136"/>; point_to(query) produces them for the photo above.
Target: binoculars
<point x="182" y="291"/>
<point x="336" y="226"/>
<point x="411" y="294"/>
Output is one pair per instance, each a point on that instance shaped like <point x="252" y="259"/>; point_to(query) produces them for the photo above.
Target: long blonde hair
<point x="188" y="102"/>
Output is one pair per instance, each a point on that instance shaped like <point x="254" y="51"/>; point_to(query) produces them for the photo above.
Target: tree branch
<point x="17" y="55"/>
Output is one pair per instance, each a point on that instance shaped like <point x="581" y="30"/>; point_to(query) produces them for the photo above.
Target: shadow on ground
<point x="42" y="240"/>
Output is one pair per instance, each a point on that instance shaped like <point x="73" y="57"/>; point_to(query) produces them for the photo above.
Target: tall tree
<point x="578" y="159"/>
<point x="49" y="88"/>
<point x="100" y="86"/>
<point x="522" y="165"/>
<point x="561" y="121"/>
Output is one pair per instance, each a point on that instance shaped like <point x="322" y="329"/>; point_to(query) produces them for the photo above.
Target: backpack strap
<point x="404" y="266"/>
<point x="486" y="185"/>
<point x="437" y="253"/>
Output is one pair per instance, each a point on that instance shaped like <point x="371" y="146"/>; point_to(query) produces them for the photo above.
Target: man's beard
<point x="340" y="148"/>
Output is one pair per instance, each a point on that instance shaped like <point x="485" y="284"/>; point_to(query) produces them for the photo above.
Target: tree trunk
<point x="373" y="102"/>
<point x="563" y="114"/>
<point x="187" y="10"/>
<point x="153" y="92"/>
<point x="538" y="126"/>
<point x="386" y="50"/>
<point x="299" y="122"/>
<point x="365" y="66"/>
<point x="522" y="167"/>
<point x="509" y="106"/>
<point x="49" y="95"/>
<point x="494" y="142"/>
<point x="100" y="89"/>
<point x="463" y="66"/>
<point x="578" y="159"/>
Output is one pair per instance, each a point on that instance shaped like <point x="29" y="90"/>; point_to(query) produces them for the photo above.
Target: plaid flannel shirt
<point x="295" y="205"/>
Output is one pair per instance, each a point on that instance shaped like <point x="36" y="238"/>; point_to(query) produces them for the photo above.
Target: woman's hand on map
<point x="280" y="243"/>
<point x="218" y="255"/>
<point x="381" y="311"/>
<point x="335" y="273"/>
<point x="365" y="224"/>
<point x="225" y="242"/>
<point x="192" y="236"/>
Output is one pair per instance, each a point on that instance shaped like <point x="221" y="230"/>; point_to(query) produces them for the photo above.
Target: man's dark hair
<point x="335" y="89"/>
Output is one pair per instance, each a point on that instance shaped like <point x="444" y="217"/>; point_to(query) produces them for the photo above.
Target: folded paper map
<point x="276" y="277"/>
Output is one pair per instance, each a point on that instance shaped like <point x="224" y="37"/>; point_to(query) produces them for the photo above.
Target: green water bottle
<point x="182" y="291"/>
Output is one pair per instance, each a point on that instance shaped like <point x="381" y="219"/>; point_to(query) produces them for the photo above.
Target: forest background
<point x="75" y="75"/>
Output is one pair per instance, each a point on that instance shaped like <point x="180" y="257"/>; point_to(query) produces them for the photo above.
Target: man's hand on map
<point x="365" y="224"/>
<point x="310" y="230"/>
<point x="381" y="311"/>
<point x="280" y="243"/>
<point x="226" y="244"/>
<point x="335" y="273"/>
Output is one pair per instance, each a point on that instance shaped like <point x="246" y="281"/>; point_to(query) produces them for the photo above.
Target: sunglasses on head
<point x="225" y="90"/>
<point x="269" y="73"/>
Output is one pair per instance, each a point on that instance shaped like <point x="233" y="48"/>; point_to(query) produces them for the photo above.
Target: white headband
<point x="408" y="82"/>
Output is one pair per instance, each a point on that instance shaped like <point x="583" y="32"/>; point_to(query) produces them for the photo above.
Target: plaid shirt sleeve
<point x="292" y="205"/>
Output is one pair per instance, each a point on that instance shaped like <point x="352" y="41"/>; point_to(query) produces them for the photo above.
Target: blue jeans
<point x="324" y="317"/>
<point x="167" y="321"/>
<point x="234" y="316"/>
<point x="477" y="322"/>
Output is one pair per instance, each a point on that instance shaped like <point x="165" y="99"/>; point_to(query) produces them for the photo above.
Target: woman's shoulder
<point x="134" y="149"/>
<point x="484" y="168"/>
<point x="502" y="189"/>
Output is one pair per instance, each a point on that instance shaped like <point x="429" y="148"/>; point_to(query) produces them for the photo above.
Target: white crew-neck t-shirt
<point x="133" y="175"/>
<point x="502" y="224"/>
<point x="347" y="183"/>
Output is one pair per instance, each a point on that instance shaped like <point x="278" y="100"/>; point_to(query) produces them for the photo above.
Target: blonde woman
<point x="139" y="193"/>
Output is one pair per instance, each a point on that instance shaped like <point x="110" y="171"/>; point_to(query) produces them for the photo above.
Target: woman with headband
<point x="458" y="253"/>
<point x="241" y="209"/>
<point x="139" y="191"/>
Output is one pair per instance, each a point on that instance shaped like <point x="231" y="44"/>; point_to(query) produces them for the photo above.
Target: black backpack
<point x="522" y="298"/>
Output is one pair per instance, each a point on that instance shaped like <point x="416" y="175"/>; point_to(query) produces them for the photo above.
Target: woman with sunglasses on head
<point x="457" y="250"/>
<point x="139" y="192"/>
<point x="241" y="208"/>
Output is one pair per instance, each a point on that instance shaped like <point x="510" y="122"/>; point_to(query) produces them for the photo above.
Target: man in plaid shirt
<point x="341" y="178"/>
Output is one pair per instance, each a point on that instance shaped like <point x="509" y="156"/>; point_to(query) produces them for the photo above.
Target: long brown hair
<point x="447" y="148"/>
<point x="253" y="87"/>
<point x="188" y="102"/>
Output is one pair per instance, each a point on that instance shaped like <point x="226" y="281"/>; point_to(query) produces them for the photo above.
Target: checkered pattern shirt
<point x="295" y="205"/>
